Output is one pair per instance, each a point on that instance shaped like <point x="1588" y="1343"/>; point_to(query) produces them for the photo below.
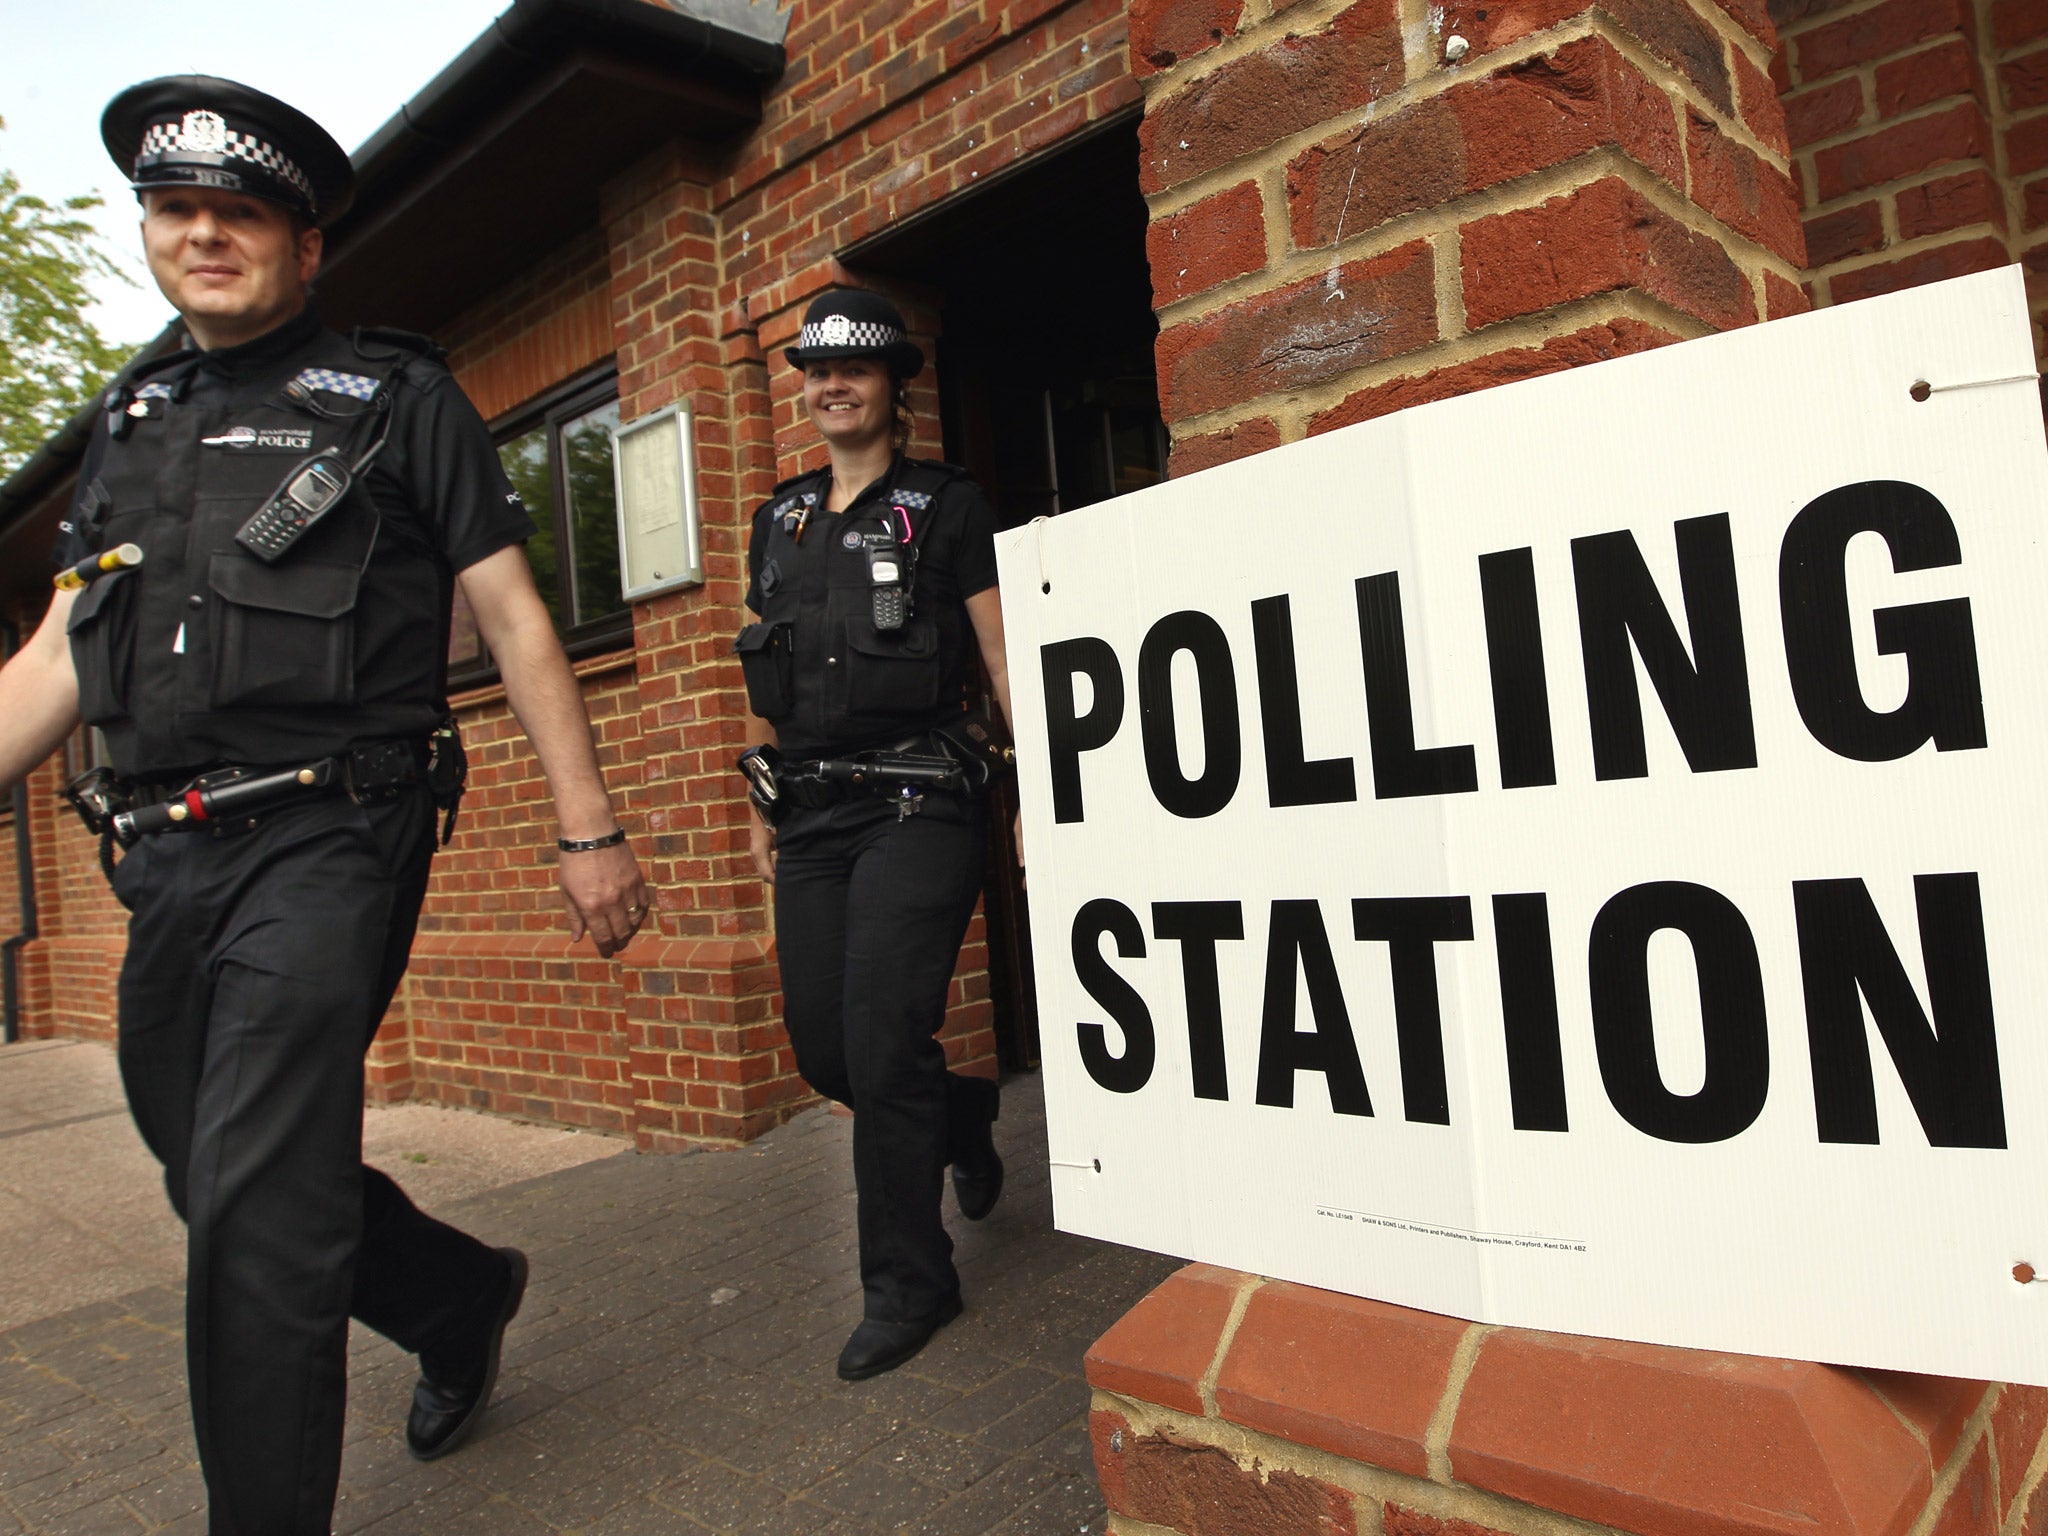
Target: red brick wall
<point x="884" y="110"/>
<point x="549" y="326"/>
<point x="1920" y="132"/>
<point x="1347" y="221"/>
<point x="1226" y="1405"/>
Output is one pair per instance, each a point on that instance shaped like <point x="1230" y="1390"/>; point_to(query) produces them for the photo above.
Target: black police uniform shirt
<point x="194" y="676"/>
<point x="819" y="584"/>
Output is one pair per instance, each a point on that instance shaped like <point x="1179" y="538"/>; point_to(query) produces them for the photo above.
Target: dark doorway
<point x="1047" y="389"/>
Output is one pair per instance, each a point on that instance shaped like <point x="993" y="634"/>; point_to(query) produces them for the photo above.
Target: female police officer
<point x="872" y="578"/>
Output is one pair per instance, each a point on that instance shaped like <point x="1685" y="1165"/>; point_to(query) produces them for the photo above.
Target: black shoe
<point x="877" y="1347"/>
<point x="977" y="1169"/>
<point x="443" y="1415"/>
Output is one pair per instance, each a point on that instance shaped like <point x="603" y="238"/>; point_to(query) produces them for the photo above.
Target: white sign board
<point x="654" y="478"/>
<point x="1574" y="856"/>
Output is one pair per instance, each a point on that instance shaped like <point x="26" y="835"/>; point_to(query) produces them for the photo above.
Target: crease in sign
<point x="1453" y="1007"/>
<point x="1156" y="578"/>
<point x="1477" y="1236"/>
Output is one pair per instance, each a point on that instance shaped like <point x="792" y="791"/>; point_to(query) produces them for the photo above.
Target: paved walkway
<point x="671" y="1371"/>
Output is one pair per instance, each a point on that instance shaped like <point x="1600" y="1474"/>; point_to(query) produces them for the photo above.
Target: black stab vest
<point x="205" y="654"/>
<point x="815" y="665"/>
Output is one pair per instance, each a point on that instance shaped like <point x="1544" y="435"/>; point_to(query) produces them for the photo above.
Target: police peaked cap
<point x="197" y="131"/>
<point x="856" y="323"/>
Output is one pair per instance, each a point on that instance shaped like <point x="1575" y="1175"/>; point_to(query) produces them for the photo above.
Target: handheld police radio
<point x="312" y="488"/>
<point x="309" y="492"/>
<point x="886" y="586"/>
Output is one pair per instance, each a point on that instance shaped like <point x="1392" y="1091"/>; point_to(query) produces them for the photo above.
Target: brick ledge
<point x="1326" y="1395"/>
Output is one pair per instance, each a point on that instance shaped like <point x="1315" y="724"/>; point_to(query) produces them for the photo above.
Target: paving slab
<point x="671" y="1372"/>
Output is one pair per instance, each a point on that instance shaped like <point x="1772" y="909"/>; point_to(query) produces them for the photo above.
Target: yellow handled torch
<point x="121" y="557"/>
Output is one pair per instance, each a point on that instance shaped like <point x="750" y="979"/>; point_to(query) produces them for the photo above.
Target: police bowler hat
<point x="856" y="323"/>
<point x="197" y="131"/>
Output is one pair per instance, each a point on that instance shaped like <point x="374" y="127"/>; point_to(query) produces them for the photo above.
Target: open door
<point x="1047" y="391"/>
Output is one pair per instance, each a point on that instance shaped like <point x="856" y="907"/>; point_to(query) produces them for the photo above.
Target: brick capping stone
<point x="1228" y="1405"/>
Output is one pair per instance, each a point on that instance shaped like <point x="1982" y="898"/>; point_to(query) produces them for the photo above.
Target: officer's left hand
<point x="605" y="897"/>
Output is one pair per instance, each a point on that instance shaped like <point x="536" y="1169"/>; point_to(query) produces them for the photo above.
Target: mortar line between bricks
<point x="1887" y="195"/>
<point x="1904" y="250"/>
<point x="1738" y="37"/>
<point x="1124" y="1525"/>
<point x="1530" y="190"/>
<point x="1303" y="20"/>
<point x="1206" y="1387"/>
<point x="1877" y="1390"/>
<point x="1419" y="40"/>
<point x="1859" y="131"/>
<point x="1945" y="1480"/>
<point x="1436" y="1440"/>
<point x="1170" y="200"/>
<point x="1479" y="1509"/>
<point x="1594" y="21"/>
<point x="2023" y="1495"/>
<point x="881" y="109"/>
<point x="1528" y="332"/>
<point x="1687" y="93"/>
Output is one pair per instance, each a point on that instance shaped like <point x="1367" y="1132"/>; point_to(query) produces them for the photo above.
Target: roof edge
<point x="527" y="39"/>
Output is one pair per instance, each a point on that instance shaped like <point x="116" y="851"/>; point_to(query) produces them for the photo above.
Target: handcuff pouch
<point x="767" y="661"/>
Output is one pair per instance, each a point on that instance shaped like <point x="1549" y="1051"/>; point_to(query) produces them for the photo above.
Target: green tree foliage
<point x="51" y="357"/>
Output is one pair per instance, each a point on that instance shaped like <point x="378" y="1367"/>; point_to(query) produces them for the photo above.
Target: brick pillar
<point x="1226" y="1405"/>
<point x="1346" y="221"/>
<point x="707" y="1060"/>
<point x="1920" y="134"/>
<point x="1352" y="214"/>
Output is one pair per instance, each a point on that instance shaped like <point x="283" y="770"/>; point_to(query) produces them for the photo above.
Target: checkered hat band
<point x="354" y="385"/>
<point x="169" y="138"/>
<point x="837" y="331"/>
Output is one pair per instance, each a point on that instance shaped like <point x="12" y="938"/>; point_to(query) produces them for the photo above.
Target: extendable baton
<point x="204" y="802"/>
<point x="890" y="768"/>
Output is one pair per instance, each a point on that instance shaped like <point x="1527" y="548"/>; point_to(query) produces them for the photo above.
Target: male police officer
<point x="303" y="503"/>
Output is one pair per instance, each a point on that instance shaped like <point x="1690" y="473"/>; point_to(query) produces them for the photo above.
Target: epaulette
<point x="140" y="386"/>
<point x="357" y="386"/>
<point x="140" y="396"/>
<point x="921" y="483"/>
<point x="793" y="511"/>
<point x="789" y="504"/>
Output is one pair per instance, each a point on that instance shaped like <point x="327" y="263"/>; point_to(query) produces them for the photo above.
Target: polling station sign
<point x="1576" y="855"/>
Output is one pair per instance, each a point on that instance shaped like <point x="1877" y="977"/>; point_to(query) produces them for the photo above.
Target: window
<point x="558" y="455"/>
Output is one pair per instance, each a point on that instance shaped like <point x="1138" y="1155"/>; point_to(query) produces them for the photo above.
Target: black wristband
<point x="591" y="844"/>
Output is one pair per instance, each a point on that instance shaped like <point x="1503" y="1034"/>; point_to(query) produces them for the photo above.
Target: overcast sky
<point x="350" y="64"/>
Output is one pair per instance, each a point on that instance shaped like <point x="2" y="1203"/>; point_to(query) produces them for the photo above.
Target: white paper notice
<point x="651" y="467"/>
<point x="1573" y="856"/>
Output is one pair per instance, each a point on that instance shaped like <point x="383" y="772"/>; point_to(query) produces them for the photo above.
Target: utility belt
<point x="956" y="759"/>
<point x="232" y="799"/>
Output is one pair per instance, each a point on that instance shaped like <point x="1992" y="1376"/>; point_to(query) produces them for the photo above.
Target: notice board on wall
<point x="1574" y="856"/>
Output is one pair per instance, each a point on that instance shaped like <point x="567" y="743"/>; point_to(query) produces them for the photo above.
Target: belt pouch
<point x="768" y="663"/>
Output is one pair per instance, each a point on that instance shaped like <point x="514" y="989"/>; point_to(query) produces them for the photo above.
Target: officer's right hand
<point x="761" y="844"/>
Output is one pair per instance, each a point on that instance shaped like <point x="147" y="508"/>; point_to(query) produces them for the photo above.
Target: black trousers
<point x="257" y="969"/>
<point x="869" y="915"/>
